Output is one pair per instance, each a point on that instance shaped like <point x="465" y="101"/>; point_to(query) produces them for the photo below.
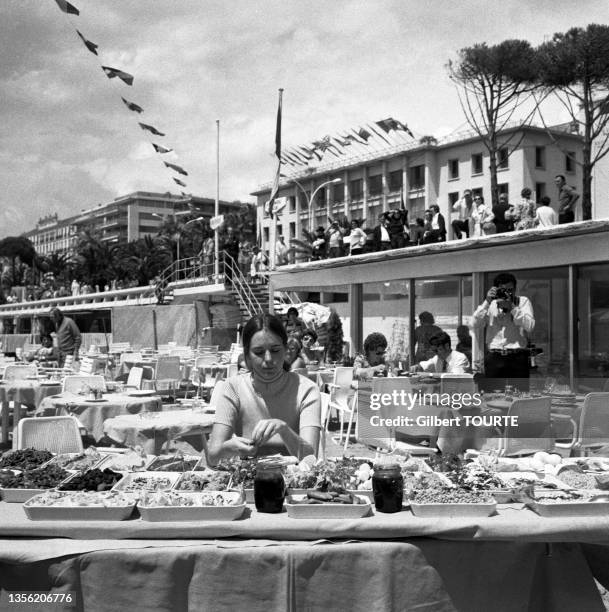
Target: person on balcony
<point x="281" y="251"/>
<point x="463" y="208"/>
<point x="230" y="246"/>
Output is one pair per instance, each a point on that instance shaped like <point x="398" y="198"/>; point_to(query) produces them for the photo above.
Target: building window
<point x="453" y="169"/>
<point x="502" y="159"/>
<point x="338" y="192"/>
<point x="265" y="234"/>
<point x="477" y="164"/>
<point x="540" y="157"/>
<point x="375" y="185"/>
<point x="452" y="199"/>
<point x="395" y="180"/>
<point x="320" y="198"/>
<point x="570" y="161"/>
<point x="504" y="188"/>
<point x="417" y="177"/>
<point x="292" y="204"/>
<point x="540" y="191"/>
<point x="356" y="187"/>
<point x="292" y="230"/>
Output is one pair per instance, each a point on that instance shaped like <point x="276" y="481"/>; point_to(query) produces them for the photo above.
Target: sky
<point x="68" y="143"/>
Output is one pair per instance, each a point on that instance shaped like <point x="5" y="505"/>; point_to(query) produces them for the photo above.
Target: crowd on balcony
<point x="471" y="217"/>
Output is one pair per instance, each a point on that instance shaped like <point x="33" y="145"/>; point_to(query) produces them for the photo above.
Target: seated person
<point x="294" y="326"/>
<point x="293" y="357"/>
<point x="47" y="352"/>
<point x="372" y="362"/>
<point x="465" y="342"/>
<point x="269" y="409"/>
<point x="445" y="359"/>
<point x="309" y="344"/>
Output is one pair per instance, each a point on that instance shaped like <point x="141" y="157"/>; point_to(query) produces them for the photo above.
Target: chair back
<point x="116" y="348"/>
<point x="183" y="352"/>
<point x="19" y="371"/>
<point x="209" y="349"/>
<point x="86" y="365"/>
<point x="131" y="357"/>
<point x="78" y="383"/>
<point x="232" y="370"/>
<point x="168" y="369"/>
<point x="594" y="420"/>
<point x="134" y="379"/>
<point x="533" y="429"/>
<point x="57" y="434"/>
<point x="207" y="360"/>
<point x="457" y="384"/>
<point x="341" y="385"/>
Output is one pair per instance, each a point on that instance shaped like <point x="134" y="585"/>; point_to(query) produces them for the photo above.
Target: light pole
<point x="311" y="198"/>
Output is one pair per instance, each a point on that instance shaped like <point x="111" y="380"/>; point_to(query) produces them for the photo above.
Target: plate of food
<point x="127" y="461"/>
<point x="206" y="480"/>
<point x="146" y="482"/>
<point x="173" y="463"/>
<point x="451" y="502"/>
<point x="77" y="461"/>
<point x="94" y="479"/>
<point x="24" y="459"/>
<point x="558" y="504"/>
<point x="79" y="506"/>
<point x="190" y="506"/>
<point x="328" y="505"/>
<point x="18" y="486"/>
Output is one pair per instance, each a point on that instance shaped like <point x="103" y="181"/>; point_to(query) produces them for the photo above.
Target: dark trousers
<point x="509" y="369"/>
<point x="566" y="217"/>
<point x="460" y="226"/>
<point x="398" y="241"/>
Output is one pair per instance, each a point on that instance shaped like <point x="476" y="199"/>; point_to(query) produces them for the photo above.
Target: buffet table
<point x="93" y="413"/>
<point x="273" y="562"/>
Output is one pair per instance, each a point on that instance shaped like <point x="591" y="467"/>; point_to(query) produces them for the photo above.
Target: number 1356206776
<point x="17" y="598"/>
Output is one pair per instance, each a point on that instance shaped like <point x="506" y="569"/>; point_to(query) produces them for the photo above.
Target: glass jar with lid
<point x="269" y="487"/>
<point x="388" y="487"/>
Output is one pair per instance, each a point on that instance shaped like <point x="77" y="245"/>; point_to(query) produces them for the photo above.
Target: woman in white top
<point x="357" y="238"/>
<point x="482" y="218"/>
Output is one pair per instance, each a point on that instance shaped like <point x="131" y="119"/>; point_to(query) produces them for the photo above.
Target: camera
<point x="503" y="294"/>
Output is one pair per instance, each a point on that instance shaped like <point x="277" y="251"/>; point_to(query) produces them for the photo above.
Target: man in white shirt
<point x="281" y="251"/>
<point x="545" y="216"/>
<point x="508" y="320"/>
<point x="445" y="360"/>
<point x="464" y="208"/>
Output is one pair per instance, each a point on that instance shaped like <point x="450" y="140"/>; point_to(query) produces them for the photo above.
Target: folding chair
<point x="168" y="374"/>
<point x="325" y="407"/>
<point x="57" y="434"/>
<point x="134" y="380"/>
<point x="86" y="366"/>
<point x="76" y="383"/>
<point x="533" y="429"/>
<point x="593" y="427"/>
<point x="342" y="399"/>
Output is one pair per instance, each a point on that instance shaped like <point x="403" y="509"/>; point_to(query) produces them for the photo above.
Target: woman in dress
<point x="268" y="409"/>
<point x="482" y="218"/>
<point x="523" y="213"/>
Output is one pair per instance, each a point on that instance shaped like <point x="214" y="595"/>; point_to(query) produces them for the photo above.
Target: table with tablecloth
<point x="152" y="430"/>
<point x="514" y="560"/>
<point x="29" y="393"/>
<point x="93" y="413"/>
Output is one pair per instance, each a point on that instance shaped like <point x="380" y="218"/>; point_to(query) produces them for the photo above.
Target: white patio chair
<point x="134" y="379"/>
<point x="57" y="434"/>
<point x="342" y="399"/>
<point x="20" y="371"/>
<point x="593" y="427"/>
<point x="168" y="374"/>
<point x="533" y="430"/>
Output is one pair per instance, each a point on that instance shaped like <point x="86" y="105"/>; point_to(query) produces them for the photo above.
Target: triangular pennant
<point x="114" y="72"/>
<point x="66" y="7"/>
<point x="177" y="168"/>
<point x="161" y="149"/>
<point x="132" y="106"/>
<point x="151" y="129"/>
<point x="179" y="182"/>
<point x="91" y="46"/>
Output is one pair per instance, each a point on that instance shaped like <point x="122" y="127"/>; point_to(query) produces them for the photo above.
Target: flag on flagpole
<point x="125" y="77"/>
<point x="363" y="134"/>
<point x="275" y="189"/>
<point x="90" y="45"/>
<point x="177" y="168"/>
<point x="393" y="124"/>
<point x="132" y="106"/>
<point x="379" y="134"/>
<point x="178" y="182"/>
<point x="66" y="7"/>
<point x="151" y="129"/>
<point x="160" y="149"/>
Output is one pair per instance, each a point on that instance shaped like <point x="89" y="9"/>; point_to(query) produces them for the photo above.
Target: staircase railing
<point x="238" y="283"/>
<point x="185" y="269"/>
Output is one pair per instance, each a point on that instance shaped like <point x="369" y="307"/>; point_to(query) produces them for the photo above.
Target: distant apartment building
<point x="421" y="173"/>
<point x="124" y="219"/>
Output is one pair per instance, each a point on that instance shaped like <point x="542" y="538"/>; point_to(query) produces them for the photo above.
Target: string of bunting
<point x="336" y="145"/>
<point x="115" y="73"/>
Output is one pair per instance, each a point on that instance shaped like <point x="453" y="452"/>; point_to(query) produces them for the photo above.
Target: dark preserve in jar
<point x="269" y="488"/>
<point x="388" y="487"/>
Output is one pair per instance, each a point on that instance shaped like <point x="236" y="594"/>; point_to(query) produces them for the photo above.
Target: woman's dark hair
<point x="312" y="333"/>
<point x="426" y="317"/>
<point x="420" y="221"/>
<point x="374" y="341"/>
<point x="260" y="323"/>
<point x="526" y="192"/>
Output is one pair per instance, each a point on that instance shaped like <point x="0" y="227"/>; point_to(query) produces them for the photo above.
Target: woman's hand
<point x="244" y="447"/>
<point x="266" y="429"/>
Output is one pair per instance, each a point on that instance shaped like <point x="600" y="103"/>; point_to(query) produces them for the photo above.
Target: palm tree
<point x="19" y="250"/>
<point x="96" y="260"/>
<point x="144" y="259"/>
<point x="57" y="264"/>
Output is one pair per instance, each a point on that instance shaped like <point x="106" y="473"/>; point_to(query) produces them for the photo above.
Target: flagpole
<point x="217" y="206"/>
<point x="273" y="245"/>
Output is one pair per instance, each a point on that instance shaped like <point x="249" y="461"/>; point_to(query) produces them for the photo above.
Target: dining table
<point x="153" y="429"/>
<point x="510" y="561"/>
<point x="27" y="393"/>
<point x="92" y="413"/>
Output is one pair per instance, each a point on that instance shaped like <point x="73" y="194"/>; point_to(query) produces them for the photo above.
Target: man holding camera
<point x="508" y="319"/>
